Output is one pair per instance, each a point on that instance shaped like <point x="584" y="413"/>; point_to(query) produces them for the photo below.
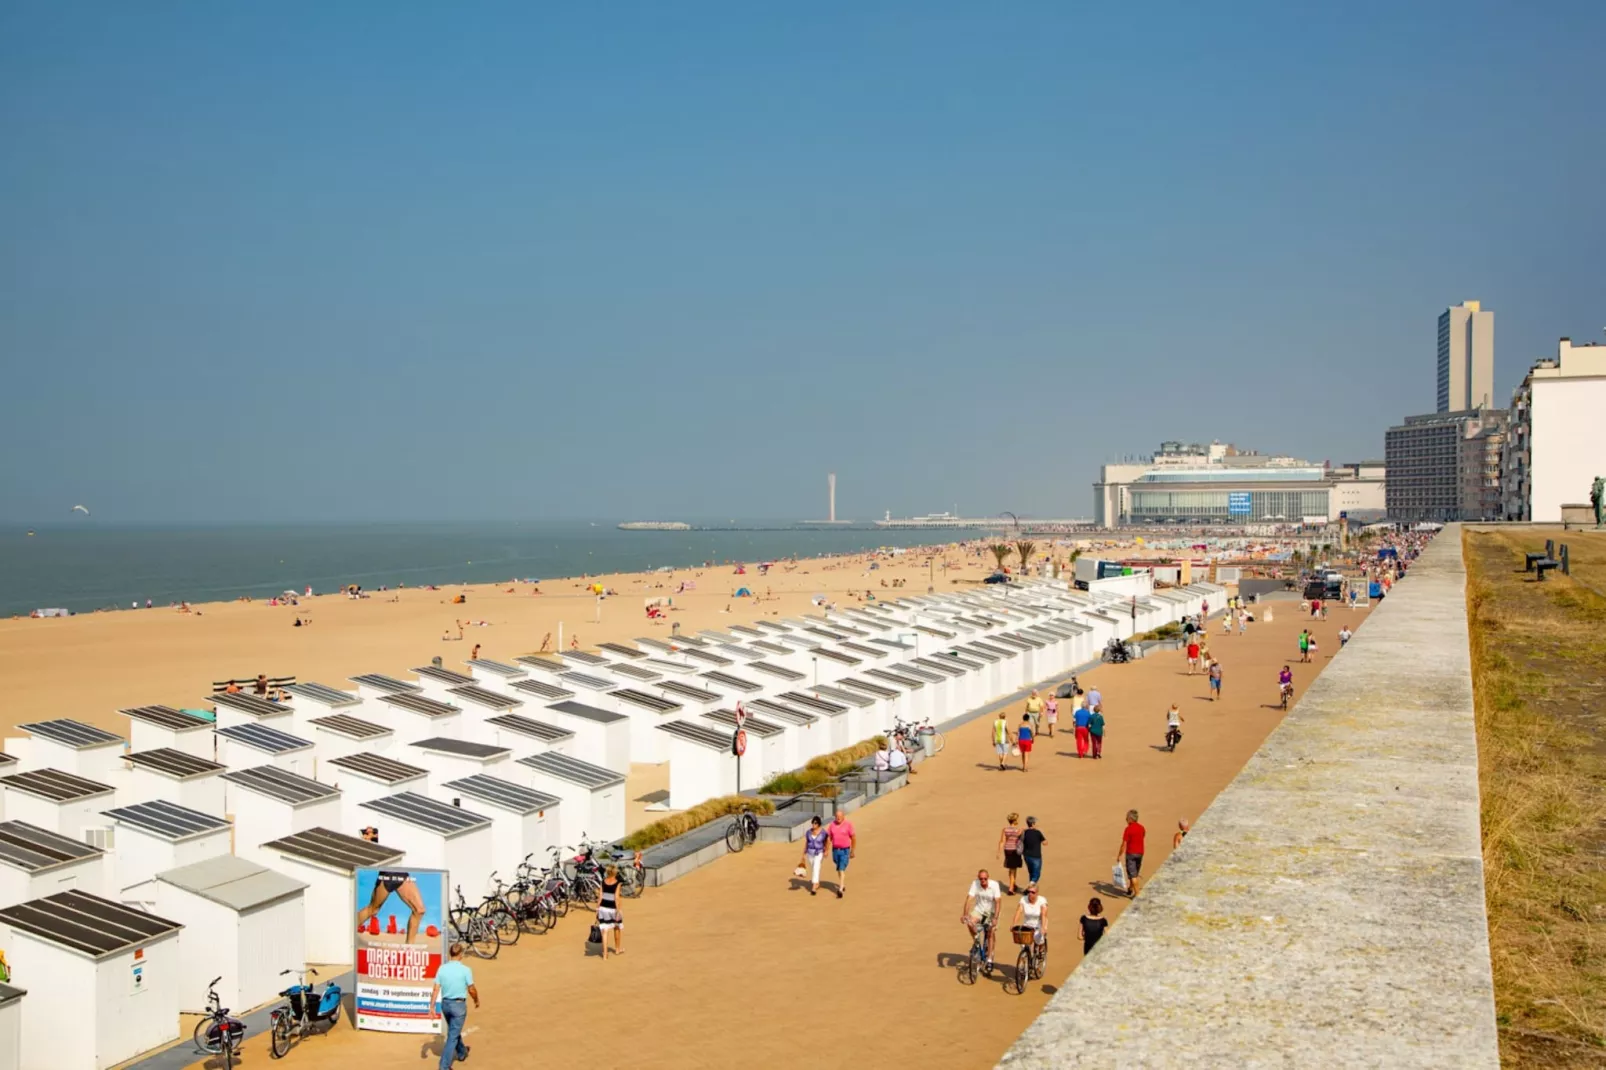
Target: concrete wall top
<point x="1328" y="908"/>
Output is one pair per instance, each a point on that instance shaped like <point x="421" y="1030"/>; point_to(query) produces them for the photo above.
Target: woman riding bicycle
<point x="1032" y="913"/>
<point x="1285" y="683"/>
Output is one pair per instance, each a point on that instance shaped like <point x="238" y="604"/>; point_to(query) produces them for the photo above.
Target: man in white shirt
<point x="898" y="761"/>
<point x="981" y="908"/>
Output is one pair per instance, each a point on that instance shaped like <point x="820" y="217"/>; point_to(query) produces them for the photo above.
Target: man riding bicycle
<point x="981" y="909"/>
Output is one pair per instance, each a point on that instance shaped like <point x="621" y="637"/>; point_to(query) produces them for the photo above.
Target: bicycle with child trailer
<point x="305" y="1010"/>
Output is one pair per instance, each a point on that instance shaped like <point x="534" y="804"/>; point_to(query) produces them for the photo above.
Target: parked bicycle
<point x="218" y="1033"/>
<point x="473" y="929"/>
<point x="1117" y="651"/>
<point x="1033" y="957"/>
<point x="912" y="735"/>
<point x="306" y="1010"/>
<point x="976" y="962"/>
<point x="742" y="831"/>
<point x="632" y="871"/>
<point x="500" y="913"/>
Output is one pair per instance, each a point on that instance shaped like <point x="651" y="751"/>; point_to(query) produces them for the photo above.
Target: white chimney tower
<point x="830" y="483"/>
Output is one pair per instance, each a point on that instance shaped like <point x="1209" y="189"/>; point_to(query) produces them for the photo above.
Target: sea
<point x="88" y="566"/>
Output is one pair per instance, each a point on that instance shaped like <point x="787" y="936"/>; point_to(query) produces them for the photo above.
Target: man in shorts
<point x="1131" y="852"/>
<point x="981" y="909"/>
<point x="1193" y="656"/>
<point x="1215" y="680"/>
<point x="1001" y="739"/>
<point x="844" y="842"/>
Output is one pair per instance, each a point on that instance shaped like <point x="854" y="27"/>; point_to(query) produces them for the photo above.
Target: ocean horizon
<point x="83" y="567"/>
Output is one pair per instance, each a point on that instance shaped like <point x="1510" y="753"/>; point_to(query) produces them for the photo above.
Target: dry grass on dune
<point x="1539" y="676"/>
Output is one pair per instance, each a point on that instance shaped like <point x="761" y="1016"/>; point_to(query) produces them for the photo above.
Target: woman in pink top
<point x="1009" y="849"/>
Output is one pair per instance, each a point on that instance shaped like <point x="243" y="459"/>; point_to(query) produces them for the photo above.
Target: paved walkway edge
<point x="1328" y="908"/>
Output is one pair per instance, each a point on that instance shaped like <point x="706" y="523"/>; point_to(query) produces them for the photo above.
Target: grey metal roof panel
<point x="544" y="691"/>
<point x="708" y="657"/>
<point x="70" y="733"/>
<point x="868" y="687"/>
<point x="663" y="646"/>
<point x="780" y="672"/>
<point x="426" y="813"/>
<point x="772" y="627"/>
<point x="844" y="696"/>
<point x="741" y="653"/>
<point x="174" y="763"/>
<point x="378" y="767"/>
<point x="263" y="738"/>
<point x="673" y="668"/>
<point x="500" y="668"/>
<point x="689" y="691"/>
<point x="654" y="703"/>
<point x="780" y="711"/>
<point x="335" y="849"/>
<point x="35" y="850"/>
<point x="87" y="923"/>
<point x="328" y="696"/>
<point x="944" y="667"/>
<point x="169" y="821"/>
<point x="529" y="726"/>
<point x="544" y="663"/>
<point x="901" y="679"/>
<point x="702" y="735"/>
<point x="767" y="647"/>
<point x="756" y="725"/>
<point x="233" y="882"/>
<point x="972" y="651"/>
<point x="343" y="724"/>
<point x="55" y="785"/>
<point x="581" y="657"/>
<point x="623" y="651"/>
<point x="815" y="705"/>
<point x="419" y="704"/>
<point x="590" y="683"/>
<point x="167" y="717"/>
<point x="884" y="645"/>
<point x="908" y="668"/>
<point x="503" y="794"/>
<point x="491" y="700"/>
<point x="252" y="704"/>
<point x="744" y="630"/>
<point x="462" y="748"/>
<point x="1003" y="651"/>
<point x="861" y="650"/>
<point x="937" y="632"/>
<point x="590" y="713"/>
<point x="446" y="676"/>
<point x="380" y="682"/>
<point x="281" y="784"/>
<point x="736" y="683"/>
<point x="827" y="633"/>
<point x="717" y="637"/>
<point x="573" y="770"/>
<point x="635" y="672"/>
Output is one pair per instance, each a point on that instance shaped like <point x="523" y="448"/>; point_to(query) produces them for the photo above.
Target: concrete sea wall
<point x="1328" y="908"/>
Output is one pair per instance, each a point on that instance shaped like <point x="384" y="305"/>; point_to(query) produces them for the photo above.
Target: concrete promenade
<point x="1328" y="908"/>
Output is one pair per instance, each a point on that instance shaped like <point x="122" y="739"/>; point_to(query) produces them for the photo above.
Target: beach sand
<point x="736" y="965"/>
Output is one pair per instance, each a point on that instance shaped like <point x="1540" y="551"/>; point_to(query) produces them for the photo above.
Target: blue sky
<point x="375" y="261"/>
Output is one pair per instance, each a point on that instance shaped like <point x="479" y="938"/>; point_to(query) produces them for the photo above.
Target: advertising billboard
<point x="1237" y="503"/>
<point x="401" y="942"/>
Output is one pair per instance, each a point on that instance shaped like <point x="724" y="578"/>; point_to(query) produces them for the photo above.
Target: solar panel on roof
<point x="708" y="657"/>
<point x="622" y="650"/>
<point x="419" y="704"/>
<point x="542" y="690"/>
<point x="343" y="724"/>
<point x="281" y="784"/>
<point x="461" y="747"/>
<point x="940" y="666"/>
<point x="818" y="705"/>
<point x="263" y="738"/>
<point x="70" y="733"/>
<point x="742" y="629"/>
<point x="702" y="735"/>
<point x="168" y="820"/>
<point x="87" y="923"/>
<point x="815" y="629"/>
<point x="910" y="670"/>
<point x="838" y="656"/>
<point x="173" y="763"/>
<point x="55" y="785"/>
<point x="334" y="849"/>
<point x="389" y="684"/>
<point x="445" y="676"/>
<point x="780" y="672"/>
<point x="756" y="725"/>
<point x="166" y="717"/>
<point x="734" y="682"/>
<point x="503" y="793"/>
<point x="528" y="726"/>
<point x="770" y="648"/>
<point x="868" y="688"/>
<point x="740" y="653"/>
<point x="673" y="668"/>
<point x="328" y="696"/>
<point x="34" y="850"/>
<point x="256" y="707"/>
<point x="903" y="680"/>
<point x="572" y="770"/>
<point x="379" y="767"/>
<point x="416" y="809"/>
<point x="635" y="672"/>
<point x="837" y="694"/>
<point x="581" y="657"/>
<point x="590" y="713"/>
<point x="580" y="679"/>
<point x="546" y="665"/>
<point x="867" y="651"/>
<point x="687" y="691"/>
<point x="491" y="700"/>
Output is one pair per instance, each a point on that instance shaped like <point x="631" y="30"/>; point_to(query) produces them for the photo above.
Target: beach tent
<point x="743" y="592"/>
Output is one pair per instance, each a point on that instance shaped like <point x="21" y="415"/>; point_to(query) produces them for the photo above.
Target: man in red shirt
<point x="1131" y="851"/>
<point x="1193" y="657"/>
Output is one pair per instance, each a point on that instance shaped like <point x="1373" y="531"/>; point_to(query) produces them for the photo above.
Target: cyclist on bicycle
<point x="981" y="909"/>
<point x="1285" y="683"/>
<point x="1032" y="913"/>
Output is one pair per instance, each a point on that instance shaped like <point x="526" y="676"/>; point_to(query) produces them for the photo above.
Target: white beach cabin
<point x="269" y="803"/>
<point x="646" y="712"/>
<point x="67" y="805"/>
<point x="72" y="747"/>
<point x="176" y="776"/>
<point x="448" y="759"/>
<point x="419" y="717"/>
<point x="242" y="921"/>
<point x="340" y="734"/>
<point x="103" y="980"/>
<point x="601" y="737"/>
<point x="314" y="700"/>
<point x="479" y="705"/>
<point x="165" y="728"/>
<point x="327" y="862"/>
<point x="156" y="836"/>
<point x="766" y="746"/>
<point x="524" y="736"/>
<point x="702" y="764"/>
<point x="805" y="736"/>
<point x="36" y="862"/>
<point x="593" y="796"/>
<point x="524" y="822"/>
<point x="364" y="777"/>
<point x="438" y="682"/>
<point x="833" y="715"/>
<point x="241" y="746"/>
<point x="439" y="836"/>
<point x="11" y="1026"/>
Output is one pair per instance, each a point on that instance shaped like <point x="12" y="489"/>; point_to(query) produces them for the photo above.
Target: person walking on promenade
<point x="1193" y="656"/>
<point x="1051" y="708"/>
<point x="1093" y="924"/>
<point x="813" y="854"/>
<point x="1024" y="740"/>
<point x="1009" y="849"/>
<point x="1083" y="719"/>
<point x="1095" y="701"/>
<point x="1180" y="835"/>
<point x="1131" y="852"/>
<point x="454" y="987"/>
<point x="608" y="917"/>
<point x="1304" y="645"/>
<point x="1001" y="739"/>
<point x="1095" y="732"/>
<point x="1034" y="710"/>
<point x="1344" y="635"/>
<point x="1215" y="680"/>
<point x="844" y="845"/>
<point x="1031" y="850"/>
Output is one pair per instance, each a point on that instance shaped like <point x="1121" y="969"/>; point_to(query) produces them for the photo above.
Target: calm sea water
<point x="84" y="568"/>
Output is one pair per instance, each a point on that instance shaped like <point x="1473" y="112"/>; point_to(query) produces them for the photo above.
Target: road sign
<point x="739" y="743"/>
<point x="1238" y="503"/>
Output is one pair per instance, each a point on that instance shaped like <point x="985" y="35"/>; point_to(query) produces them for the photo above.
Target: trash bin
<point x="928" y="740"/>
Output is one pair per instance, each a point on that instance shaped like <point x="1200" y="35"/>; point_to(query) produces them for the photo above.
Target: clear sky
<point x="390" y="261"/>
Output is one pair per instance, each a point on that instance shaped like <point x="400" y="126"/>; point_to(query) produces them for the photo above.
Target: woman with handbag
<point x="608" y="917"/>
<point x="813" y="852"/>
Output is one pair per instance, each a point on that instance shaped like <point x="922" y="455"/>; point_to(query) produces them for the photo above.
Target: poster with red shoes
<point x="400" y="943"/>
